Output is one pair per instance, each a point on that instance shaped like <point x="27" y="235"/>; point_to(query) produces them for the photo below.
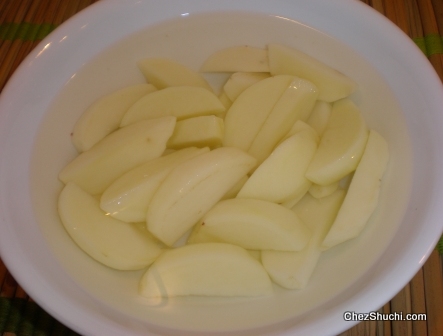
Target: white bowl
<point x="95" y="53"/>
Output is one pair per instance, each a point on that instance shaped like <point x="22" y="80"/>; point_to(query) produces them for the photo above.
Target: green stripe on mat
<point x="43" y="324"/>
<point x="15" y="315"/>
<point x="25" y="31"/>
<point x="440" y="245"/>
<point x="431" y="44"/>
<point x="420" y="42"/>
<point x="5" y="307"/>
<point x="44" y="30"/>
<point x="434" y="44"/>
<point x="27" y="322"/>
<point x="26" y="318"/>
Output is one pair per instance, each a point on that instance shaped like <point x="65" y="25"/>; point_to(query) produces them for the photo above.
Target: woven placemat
<point x="24" y="23"/>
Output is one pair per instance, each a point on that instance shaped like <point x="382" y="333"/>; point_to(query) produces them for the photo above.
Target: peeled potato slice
<point x="181" y="102"/>
<point x="111" y="242"/>
<point x="341" y="145"/>
<point x="105" y="115"/>
<point x="290" y="203"/>
<point x="163" y="73"/>
<point x="296" y="103"/>
<point x="281" y="177"/>
<point x="298" y="127"/>
<point x="240" y="58"/>
<point x="256" y="225"/>
<point x="249" y="111"/>
<point x="362" y="197"/>
<point x="209" y="269"/>
<point x="119" y="152"/>
<point x="240" y="81"/>
<point x="204" y="131"/>
<point x="128" y="197"/>
<point x="232" y="193"/>
<point x="224" y="99"/>
<point x="293" y="269"/>
<point x="192" y="188"/>
<point x="319" y="191"/>
<point x="332" y="85"/>
<point x="319" y="116"/>
<point x="198" y="236"/>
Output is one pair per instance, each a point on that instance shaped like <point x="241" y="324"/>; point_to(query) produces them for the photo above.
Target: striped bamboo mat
<point x="23" y="23"/>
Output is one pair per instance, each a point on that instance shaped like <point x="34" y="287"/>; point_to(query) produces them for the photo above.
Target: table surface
<point x="23" y="23"/>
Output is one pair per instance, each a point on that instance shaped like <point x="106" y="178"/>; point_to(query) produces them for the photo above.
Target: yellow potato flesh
<point x="341" y="145"/>
<point x="249" y="111"/>
<point x="181" y="102"/>
<point x="256" y="225"/>
<point x="119" y="152"/>
<point x="114" y="243"/>
<point x="240" y="81"/>
<point x="296" y="103"/>
<point x="362" y="197"/>
<point x="281" y="176"/>
<point x="163" y="73"/>
<point x="192" y="188"/>
<point x="128" y="197"/>
<point x="207" y="269"/>
<point x="105" y="115"/>
<point x="319" y="117"/>
<point x="204" y="131"/>
<point x="294" y="269"/>
<point x="332" y="84"/>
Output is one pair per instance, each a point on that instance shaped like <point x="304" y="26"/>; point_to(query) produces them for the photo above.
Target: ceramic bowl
<point x="95" y="53"/>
